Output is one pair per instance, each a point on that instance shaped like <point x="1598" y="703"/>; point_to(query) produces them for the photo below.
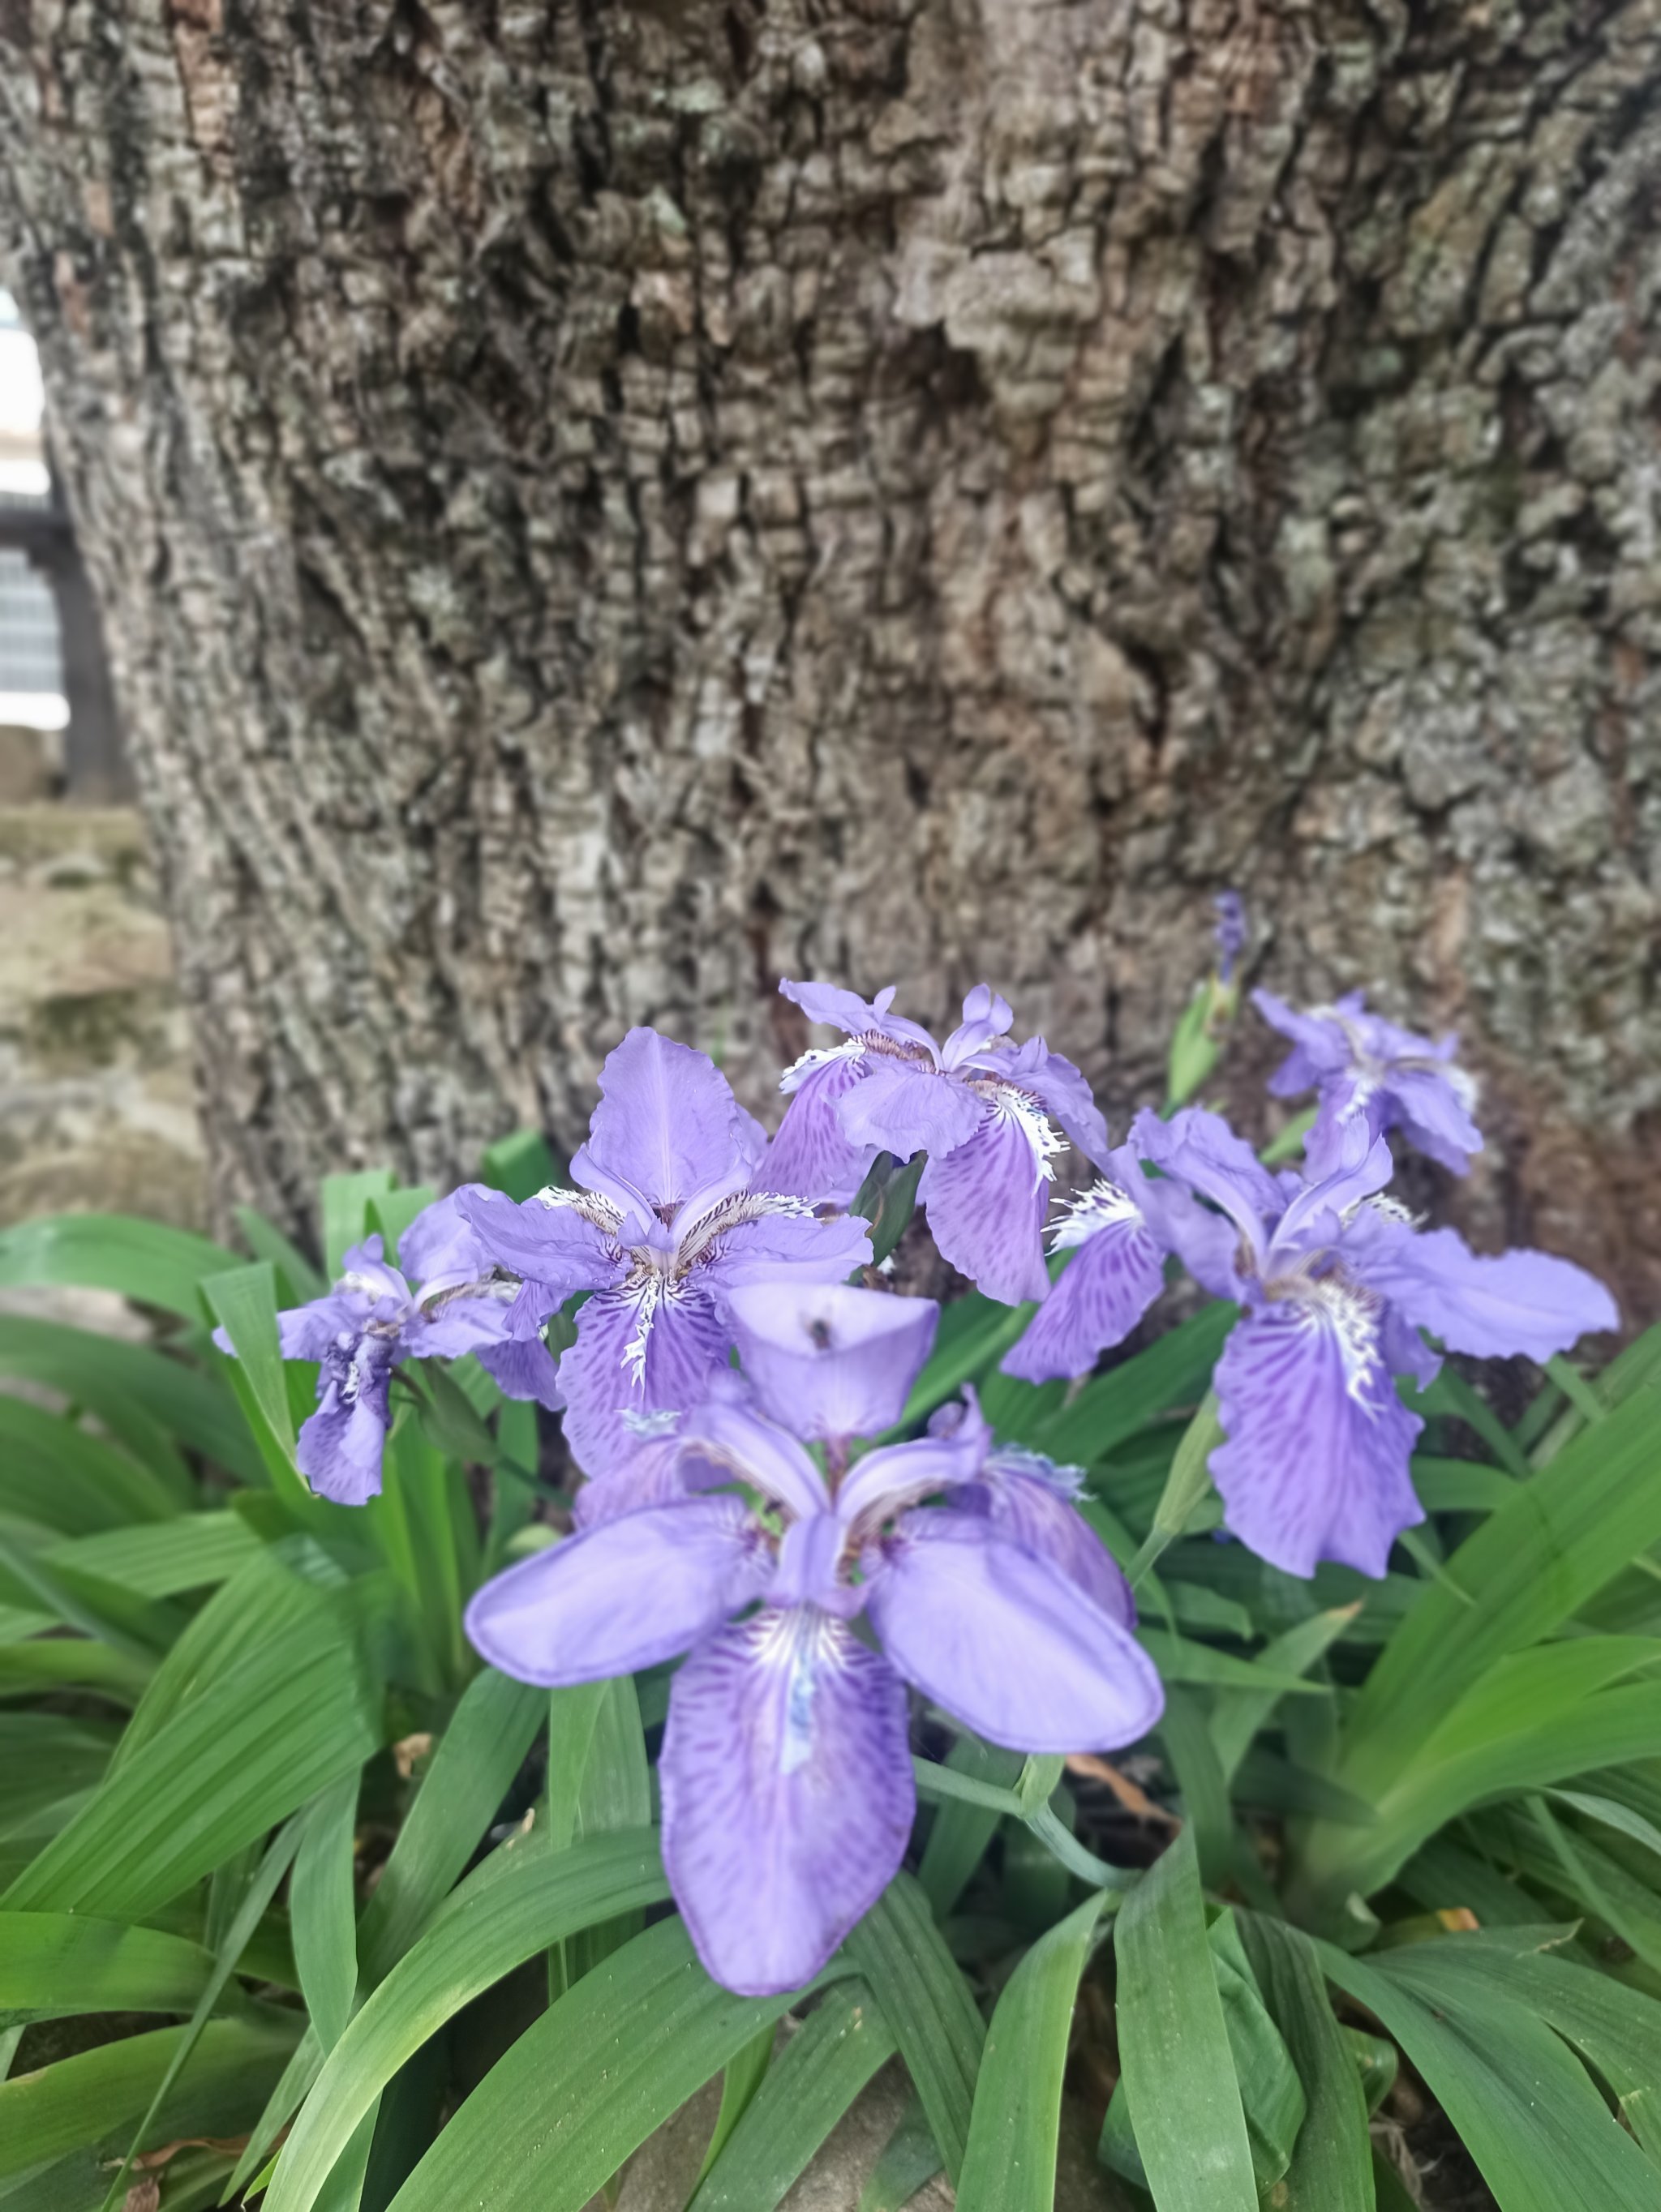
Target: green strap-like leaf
<point x="1331" y="2159"/>
<point x="524" y="1898"/>
<point x="814" y="2080"/>
<point x="1177" y="2069"/>
<point x="926" y="2003"/>
<point x="1523" y="2107"/>
<point x="145" y="1260"/>
<point x="260" y="1892"/>
<point x="1617" y="2029"/>
<point x="56" y="1964"/>
<point x="295" y="1713"/>
<point x="1009" y="2165"/>
<point x="322" y="1910"/>
<point x="94" y="2099"/>
<point x="584" y="2085"/>
<point x="477" y="1757"/>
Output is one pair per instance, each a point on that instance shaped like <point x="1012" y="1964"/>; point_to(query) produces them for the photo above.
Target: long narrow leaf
<point x="523" y="1898"/>
<point x="588" y="2082"/>
<point x="1179" y="2072"/>
<point x="1009" y="2165"/>
<point x="926" y="2002"/>
<point x="811" y="2085"/>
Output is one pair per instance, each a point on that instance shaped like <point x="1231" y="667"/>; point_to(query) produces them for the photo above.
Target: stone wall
<point x="97" y="1105"/>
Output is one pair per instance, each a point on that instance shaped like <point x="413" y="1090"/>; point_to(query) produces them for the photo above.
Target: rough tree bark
<point x="597" y="506"/>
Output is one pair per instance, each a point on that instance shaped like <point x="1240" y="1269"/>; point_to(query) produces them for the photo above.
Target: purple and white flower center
<point x="1014" y="1108"/>
<point x="1104" y="1206"/>
<point x="1326" y="1298"/>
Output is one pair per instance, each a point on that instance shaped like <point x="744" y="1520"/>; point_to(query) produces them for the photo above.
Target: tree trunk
<point x="597" y="507"/>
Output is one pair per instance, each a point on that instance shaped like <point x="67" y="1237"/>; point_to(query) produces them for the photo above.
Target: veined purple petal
<point x="985" y="1016"/>
<point x="766" y="1240"/>
<point x="787" y="1796"/>
<point x="625" y="1594"/>
<point x="1005" y="1643"/>
<point x="364" y="1273"/>
<point x="1029" y="1500"/>
<point x="339" y="1448"/>
<point x="565" y="1240"/>
<point x="310" y="1332"/>
<point x="1059" y="1089"/>
<point x="1104" y="1290"/>
<point x="441" y="1246"/>
<point x="811" y="1158"/>
<point x="1201" y="1150"/>
<point x="857" y="1016"/>
<point x="640" y="1349"/>
<point x="1433" y="1113"/>
<point x="986" y="1201"/>
<point x="886" y="1481"/>
<point x="759" y="1452"/>
<point x="1316" y="1212"/>
<point x="1518" y="1301"/>
<point x="668" y="1122"/>
<point x="902" y="1106"/>
<point x="523" y="1367"/>
<point x="829" y="1360"/>
<point x="456" y="1326"/>
<point x="1320" y="1048"/>
<point x="1316" y="1465"/>
<point x="663" y="1470"/>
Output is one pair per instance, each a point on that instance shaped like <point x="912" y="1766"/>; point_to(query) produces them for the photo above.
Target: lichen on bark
<point x="599" y="507"/>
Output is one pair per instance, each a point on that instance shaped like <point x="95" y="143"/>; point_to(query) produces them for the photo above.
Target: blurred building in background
<point x="97" y="1107"/>
<point x="58" y="726"/>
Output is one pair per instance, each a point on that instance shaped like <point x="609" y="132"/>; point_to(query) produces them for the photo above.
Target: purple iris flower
<point x="1337" y="1283"/>
<point x="372" y="1320"/>
<point x="673" y="1212"/>
<point x="1231" y="932"/>
<point x="1370" y="1077"/>
<point x="1118" y="1232"/>
<point x="786" y="1772"/>
<point x="984" y="1110"/>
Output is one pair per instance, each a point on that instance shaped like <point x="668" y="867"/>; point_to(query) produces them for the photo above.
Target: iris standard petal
<point x="903" y="1106"/>
<point x="455" y="1326"/>
<point x="1518" y="1301"/>
<point x="565" y="1240"/>
<point x="828" y="1359"/>
<point x="812" y="1156"/>
<point x="666" y="1122"/>
<point x="986" y="1202"/>
<point x="1432" y="1111"/>
<point x="627" y="1593"/>
<point x="440" y="1245"/>
<point x="1005" y="1643"/>
<point x="640" y="1349"/>
<point x="1103" y="1290"/>
<point x="1201" y="1150"/>
<point x="1316" y="1464"/>
<point x="985" y="1016"/>
<point x="787" y="1796"/>
<point x="1320" y="1048"/>
<point x="312" y="1332"/>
